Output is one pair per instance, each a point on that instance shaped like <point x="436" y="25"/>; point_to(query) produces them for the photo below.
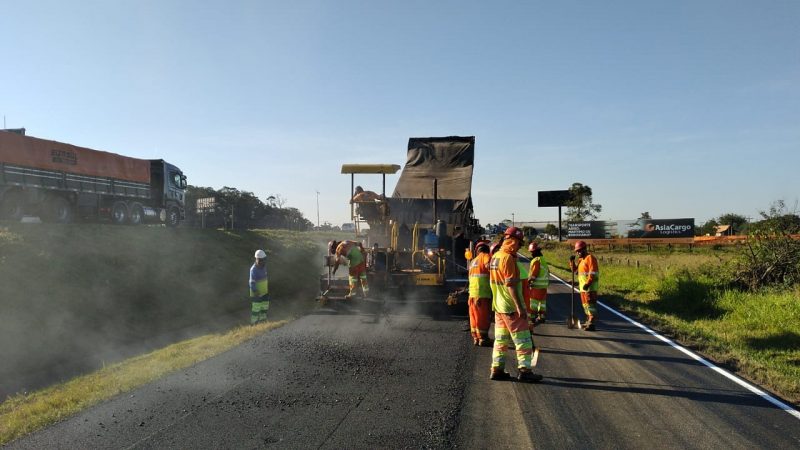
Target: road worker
<point x="259" y="289"/>
<point x="538" y="280"/>
<point x="480" y="295"/>
<point x="511" y="316"/>
<point x="353" y="253"/>
<point x="369" y="205"/>
<point x="588" y="282"/>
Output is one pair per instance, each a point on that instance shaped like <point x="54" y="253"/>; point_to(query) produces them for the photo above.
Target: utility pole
<point x="513" y="222"/>
<point x="317" y="209"/>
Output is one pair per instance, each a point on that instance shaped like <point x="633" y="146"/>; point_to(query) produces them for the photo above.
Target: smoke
<point x="76" y="297"/>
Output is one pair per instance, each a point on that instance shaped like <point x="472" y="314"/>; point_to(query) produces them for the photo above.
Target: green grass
<point x="682" y="294"/>
<point x="25" y="413"/>
<point x="71" y="292"/>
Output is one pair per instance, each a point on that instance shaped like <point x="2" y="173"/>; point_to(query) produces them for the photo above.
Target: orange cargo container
<point x="38" y="153"/>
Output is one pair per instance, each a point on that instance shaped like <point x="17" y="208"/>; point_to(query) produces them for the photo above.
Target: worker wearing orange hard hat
<point x="511" y="316"/>
<point x="480" y="295"/>
<point x="538" y="281"/>
<point x="588" y="282"/>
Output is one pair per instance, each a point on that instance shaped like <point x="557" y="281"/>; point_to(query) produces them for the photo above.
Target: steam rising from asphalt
<point x="74" y="298"/>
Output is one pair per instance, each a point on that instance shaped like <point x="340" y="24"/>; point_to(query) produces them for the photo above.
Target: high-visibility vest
<point x="502" y="301"/>
<point x="587" y="267"/>
<point x="543" y="279"/>
<point x="259" y="282"/>
<point x="479" y="277"/>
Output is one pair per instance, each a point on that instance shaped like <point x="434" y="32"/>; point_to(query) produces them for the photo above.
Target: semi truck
<point x="62" y="183"/>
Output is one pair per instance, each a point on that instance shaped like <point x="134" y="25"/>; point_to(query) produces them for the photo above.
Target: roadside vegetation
<point x="708" y="300"/>
<point x="24" y="413"/>
<point x="79" y="299"/>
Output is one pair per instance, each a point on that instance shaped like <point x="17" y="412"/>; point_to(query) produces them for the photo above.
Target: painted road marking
<point x="736" y="379"/>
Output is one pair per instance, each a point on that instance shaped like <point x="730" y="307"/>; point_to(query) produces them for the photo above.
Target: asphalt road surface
<point x="362" y="378"/>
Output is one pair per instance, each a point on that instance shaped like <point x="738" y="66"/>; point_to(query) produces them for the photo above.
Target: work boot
<point x="541" y="319"/>
<point x="527" y="376"/>
<point x="485" y="343"/>
<point x="476" y="341"/>
<point x="589" y="326"/>
<point x="499" y="375"/>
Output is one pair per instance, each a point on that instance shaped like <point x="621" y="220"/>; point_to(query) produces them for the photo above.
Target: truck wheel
<point x="137" y="214"/>
<point x="11" y="207"/>
<point x="173" y="217"/>
<point x="58" y="210"/>
<point x="119" y="213"/>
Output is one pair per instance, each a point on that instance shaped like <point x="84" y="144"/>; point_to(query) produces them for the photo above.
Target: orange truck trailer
<point x="61" y="182"/>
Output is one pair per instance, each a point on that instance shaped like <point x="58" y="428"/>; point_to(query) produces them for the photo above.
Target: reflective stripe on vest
<point x="543" y="279"/>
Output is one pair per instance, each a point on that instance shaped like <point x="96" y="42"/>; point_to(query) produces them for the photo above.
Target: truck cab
<point x="168" y="190"/>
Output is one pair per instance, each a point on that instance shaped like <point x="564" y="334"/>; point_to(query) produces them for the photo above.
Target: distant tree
<point x="580" y="207"/>
<point x="551" y="229"/>
<point x="276" y="201"/>
<point x="778" y="219"/>
<point x="529" y="232"/>
<point x="708" y="229"/>
<point x="645" y="216"/>
<point x="737" y="222"/>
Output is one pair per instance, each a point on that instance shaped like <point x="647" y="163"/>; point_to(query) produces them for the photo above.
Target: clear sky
<point x="679" y="108"/>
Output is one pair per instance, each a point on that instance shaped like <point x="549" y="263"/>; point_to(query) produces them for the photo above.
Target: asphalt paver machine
<point x="414" y="240"/>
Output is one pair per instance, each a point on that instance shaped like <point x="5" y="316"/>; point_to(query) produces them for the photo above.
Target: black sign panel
<point x="554" y="198"/>
<point x="587" y="230"/>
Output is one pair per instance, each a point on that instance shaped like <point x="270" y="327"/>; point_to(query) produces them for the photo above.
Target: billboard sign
<point x="553" y="198"/>
<point x="633" y="229"/>
<point x="662" y="228"/>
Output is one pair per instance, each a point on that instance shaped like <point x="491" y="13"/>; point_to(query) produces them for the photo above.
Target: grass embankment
<point x="24" y="413"/>
<point x="755" y="333"/>
<point x="75" y="296"/>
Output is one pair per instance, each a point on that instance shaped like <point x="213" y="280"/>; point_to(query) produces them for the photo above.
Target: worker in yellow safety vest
<point x="259" y="288"/>
<point x="538" y="281"/>
<point x="480" y="295"/>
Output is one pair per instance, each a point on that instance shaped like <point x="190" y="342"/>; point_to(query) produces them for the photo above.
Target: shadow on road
<point x="714" y="396"/>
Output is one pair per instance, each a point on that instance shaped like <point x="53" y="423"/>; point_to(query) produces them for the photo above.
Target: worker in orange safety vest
<point x="480" y="295"/>
<point x="511" y="315"/>
<point x="588" y="282"/>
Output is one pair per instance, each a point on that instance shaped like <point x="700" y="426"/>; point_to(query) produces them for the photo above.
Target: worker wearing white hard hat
<point x="259" y="288"/>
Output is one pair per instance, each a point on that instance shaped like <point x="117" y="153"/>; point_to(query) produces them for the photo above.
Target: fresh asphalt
<point x="372" y="377"/>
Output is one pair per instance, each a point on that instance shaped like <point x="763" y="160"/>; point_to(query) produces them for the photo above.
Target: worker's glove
<point x="572" y="258"/>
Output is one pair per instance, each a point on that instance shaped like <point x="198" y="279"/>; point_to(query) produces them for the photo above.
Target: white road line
<point x="741" y="382"/>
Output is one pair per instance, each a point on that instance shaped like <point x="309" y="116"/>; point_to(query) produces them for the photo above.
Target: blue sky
<point x="681" y="108"/>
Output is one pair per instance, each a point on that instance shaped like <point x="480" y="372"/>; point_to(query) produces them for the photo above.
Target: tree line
<point x="241" y="210"/>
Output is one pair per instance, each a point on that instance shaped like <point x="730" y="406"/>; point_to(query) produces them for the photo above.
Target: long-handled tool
<point x="572" y="322"/>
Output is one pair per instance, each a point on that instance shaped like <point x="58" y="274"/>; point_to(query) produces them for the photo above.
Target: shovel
<point x="572" y="322"/>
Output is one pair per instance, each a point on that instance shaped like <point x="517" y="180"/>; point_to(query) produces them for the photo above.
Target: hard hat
<point x="261" y="254"/>
<point x="494" y="248"/>
<point x="533" y="247"/>
<point x="484" y="244"/>
<point x="514" y="232"/>
<point x="580" y="245"/>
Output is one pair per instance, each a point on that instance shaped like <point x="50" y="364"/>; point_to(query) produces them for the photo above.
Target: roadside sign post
<point x="555" y="198"/>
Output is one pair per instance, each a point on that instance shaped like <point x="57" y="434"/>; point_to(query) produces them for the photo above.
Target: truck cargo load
<point x="59" y="182"/>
